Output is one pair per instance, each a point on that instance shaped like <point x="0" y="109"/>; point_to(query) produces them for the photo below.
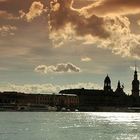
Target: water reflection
<point x="68" y="126"/>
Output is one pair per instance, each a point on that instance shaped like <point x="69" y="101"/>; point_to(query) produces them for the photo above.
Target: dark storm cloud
<point x="86" y="20"/>
<point x="62" y="14"/>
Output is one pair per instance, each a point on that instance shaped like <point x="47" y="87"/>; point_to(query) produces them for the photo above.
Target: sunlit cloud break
<point x="36" y="9"/>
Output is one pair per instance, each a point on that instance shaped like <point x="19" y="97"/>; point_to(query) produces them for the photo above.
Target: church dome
<point x="107" y="79"/>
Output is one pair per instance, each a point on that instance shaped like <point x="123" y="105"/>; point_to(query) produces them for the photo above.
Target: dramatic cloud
<point x="121" y="40"/>
<point x="108" y="32"/>
<point x="114" y="7"/>
<point x="36" y="9"/>
<point x="7" y="30"/>
<point x="59" y="68"/>
<point x="85" y="21"/>
<point x="86" y="59"/>
<point x="62" y="15"/>
<point x="47" y="88"/>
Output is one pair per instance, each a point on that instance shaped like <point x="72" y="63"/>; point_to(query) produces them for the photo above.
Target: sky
<point x="49" y="45"/>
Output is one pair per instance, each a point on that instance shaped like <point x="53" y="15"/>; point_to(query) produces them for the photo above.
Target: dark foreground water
<point x="69" y="126"/>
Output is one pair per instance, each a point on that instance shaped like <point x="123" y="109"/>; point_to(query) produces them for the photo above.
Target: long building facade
<point x="37" y="102"/>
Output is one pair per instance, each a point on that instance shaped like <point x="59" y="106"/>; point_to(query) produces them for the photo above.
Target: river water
<point x="69" y="126"/>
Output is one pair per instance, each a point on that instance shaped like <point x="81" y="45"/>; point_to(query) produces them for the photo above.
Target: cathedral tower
<point x="135" y="84"/>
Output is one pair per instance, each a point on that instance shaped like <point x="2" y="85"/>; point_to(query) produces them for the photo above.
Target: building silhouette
<point x="119" y="89"/>
<point x="84" y="99"/>
<point x="106" y="99"/>
<point x="107" y="84"/>
<point x="135" y="84"/>
<point x="36" y="102"/>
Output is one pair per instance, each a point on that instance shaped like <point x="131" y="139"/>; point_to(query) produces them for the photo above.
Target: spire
<point x="135" y="83"/>
<point x="135" y="67"/>
<point x="119" y="84"/>
<point x="135" y="73"/>
<point x="119" y="89"/>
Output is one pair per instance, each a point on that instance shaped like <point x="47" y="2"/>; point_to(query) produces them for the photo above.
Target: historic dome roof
<point x="107" y="79"/>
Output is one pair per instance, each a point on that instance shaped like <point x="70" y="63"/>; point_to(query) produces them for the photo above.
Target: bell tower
<point x="135" y="84"/>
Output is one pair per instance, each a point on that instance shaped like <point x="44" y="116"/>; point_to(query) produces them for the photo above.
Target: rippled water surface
<point x="69" y="126"/>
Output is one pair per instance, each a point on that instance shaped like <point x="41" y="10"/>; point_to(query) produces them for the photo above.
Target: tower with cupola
<point x="107" y="84"/>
